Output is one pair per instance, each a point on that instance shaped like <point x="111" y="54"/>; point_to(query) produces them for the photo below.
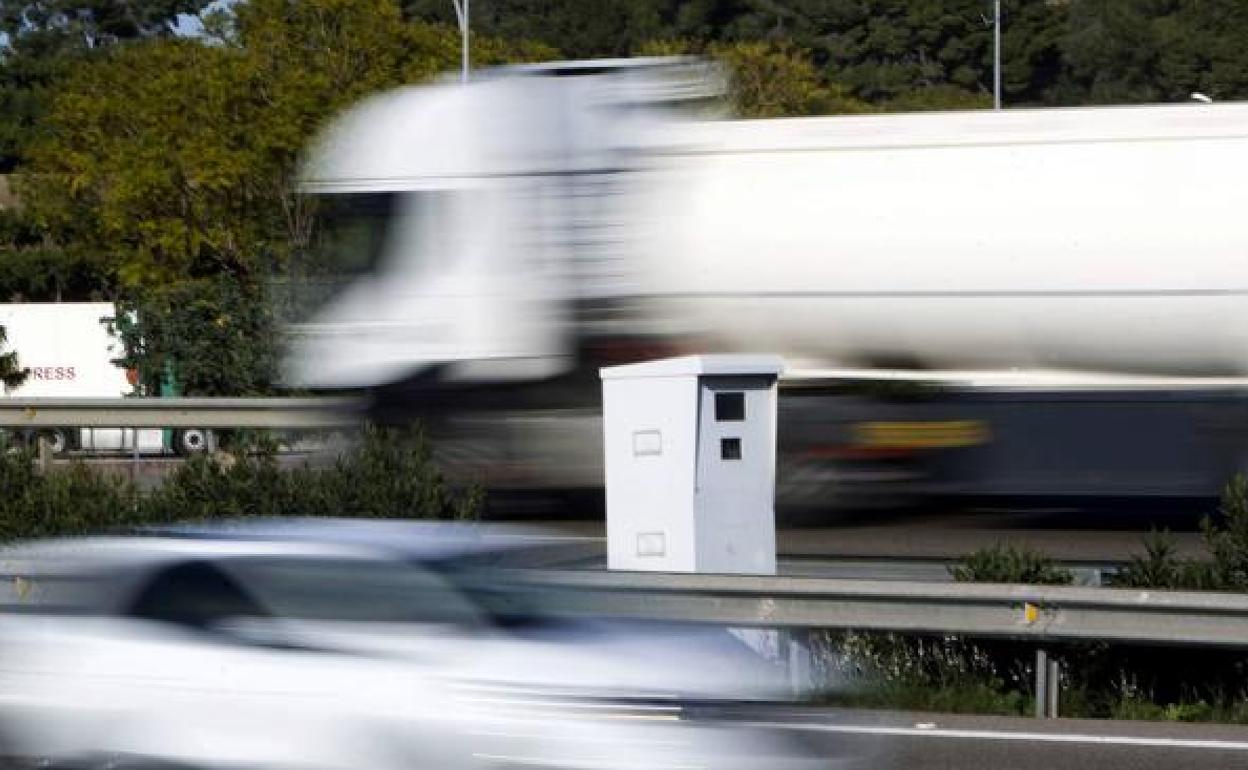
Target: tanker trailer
<point x="491" y="245"/>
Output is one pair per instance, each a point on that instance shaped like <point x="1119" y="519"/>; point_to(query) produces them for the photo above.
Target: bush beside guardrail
<point x="387" y="473"/>
<point x="997" y="676"/>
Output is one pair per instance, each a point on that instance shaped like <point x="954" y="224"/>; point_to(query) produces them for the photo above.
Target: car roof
<point x="98" y="554"/>
<point x="124" y="561"/>
<point x="400" y="538"/>
<point x="152" y="547"/>
<point x="101" y="573"/>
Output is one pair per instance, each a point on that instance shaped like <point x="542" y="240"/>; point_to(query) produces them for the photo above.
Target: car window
<point x="356" y="590"/>
<point x="195" y="594"/>
<point x="50" y="593"/>
<point x="507" y="604"/>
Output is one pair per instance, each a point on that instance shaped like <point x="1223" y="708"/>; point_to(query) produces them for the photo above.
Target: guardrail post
<point x="1048" y="684"/>
<point x="1042" y="682"/>
<point x="1055" y="686"/>
<point x="134" y="456"/>
<point x="801" y="677"/>
<point x="43" y="456"/>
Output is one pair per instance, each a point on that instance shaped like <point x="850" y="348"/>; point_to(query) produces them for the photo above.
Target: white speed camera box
<point x="690" y="449"/>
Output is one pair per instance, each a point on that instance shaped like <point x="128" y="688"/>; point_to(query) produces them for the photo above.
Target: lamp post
<point x="461" y="15"/>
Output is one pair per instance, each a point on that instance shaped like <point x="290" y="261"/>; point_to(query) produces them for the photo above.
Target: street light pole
<point x="996" y="54"/>
<point x="461" y="15"/>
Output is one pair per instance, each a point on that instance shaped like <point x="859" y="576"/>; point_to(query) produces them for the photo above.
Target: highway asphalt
<point x="908" y="741"/>
<point x="919" y="549"/>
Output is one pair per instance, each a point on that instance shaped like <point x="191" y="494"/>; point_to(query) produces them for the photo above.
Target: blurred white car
<point x="336" y="647"/>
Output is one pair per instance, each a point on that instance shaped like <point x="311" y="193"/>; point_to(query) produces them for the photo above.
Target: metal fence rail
<point x="212" y="413"/>
<point x="1038" y="613"/>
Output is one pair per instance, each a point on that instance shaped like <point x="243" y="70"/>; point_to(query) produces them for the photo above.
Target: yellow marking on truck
<point x="940" y="434"/>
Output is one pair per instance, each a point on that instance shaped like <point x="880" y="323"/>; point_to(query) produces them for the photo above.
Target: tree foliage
<point x="1160" y="50"/>
<point x="94" y="23"/>
<point x="46" y="39"/>
<point x="211" y="336"/>
<point x="12" y="373"/>
<point x="766" y="80"/>
<point x="28" y="69"/>
<point x="175" y="157"/>
<point x="34" y="269"/>
<point x="926" y="53"/>
<point x="769" y="80"/>
<point x="576" y="28"/>
<point x="138" y="162"/>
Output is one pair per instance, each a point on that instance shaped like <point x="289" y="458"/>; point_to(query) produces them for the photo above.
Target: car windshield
<point x="348" y="240"/>
<point x="351" y="232"/>
<point x="355" y="235"/>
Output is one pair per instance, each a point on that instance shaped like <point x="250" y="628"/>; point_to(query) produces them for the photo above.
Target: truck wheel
<point x="191" y="441"/>
<point x="57" y="438"/>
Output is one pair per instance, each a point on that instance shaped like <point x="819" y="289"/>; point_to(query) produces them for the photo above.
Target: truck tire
<point x="192" y="441"/>
<point x="57" y="438"/>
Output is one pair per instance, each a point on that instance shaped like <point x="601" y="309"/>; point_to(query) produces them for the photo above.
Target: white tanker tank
<point x="488" y="231"/>
<point x="1093" y="239"/>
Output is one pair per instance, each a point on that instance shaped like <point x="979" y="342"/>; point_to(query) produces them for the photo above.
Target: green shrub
<point x="1161" y="567"/>
<point x="1010" y="564"/>
<point x="215" y="337"/>
<point x="1098" y="680"/>
<point x="225" y="486"/>
<point x="392" y="474"/>
<point x="1226" y="537"/>
<point x="1229" y="711"/>
<point x="71" y="501"/>
<point x="1137" y="709"/>
<point x="928" y="673"/>
<point x="388" y="473"/>
<point x="952" y="697"/>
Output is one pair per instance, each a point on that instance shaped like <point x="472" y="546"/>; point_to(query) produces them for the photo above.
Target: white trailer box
<point x="67" y="348"/>
<point x="69" y="351"/>
<point x="690" y="447"/>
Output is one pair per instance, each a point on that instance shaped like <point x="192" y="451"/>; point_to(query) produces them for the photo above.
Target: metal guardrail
<point x="1045" y="615"/>
<point x="209" y="413"/>
<point x="1040" y="613"/>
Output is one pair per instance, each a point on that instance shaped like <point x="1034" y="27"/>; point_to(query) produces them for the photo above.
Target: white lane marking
<point x="604" y="763"/>
<point x="549" y="538"/>
<point x="992" y="735"/>
<point x="572" y="738"/>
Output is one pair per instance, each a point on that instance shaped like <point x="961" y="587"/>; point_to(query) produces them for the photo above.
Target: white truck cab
<point x="464" y="225"/>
